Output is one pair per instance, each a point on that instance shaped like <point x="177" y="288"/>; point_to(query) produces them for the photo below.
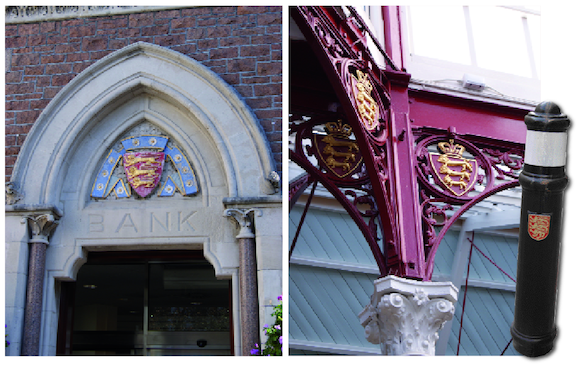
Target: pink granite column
<point x="40" y="226"/>
<point x="247" y="281"/>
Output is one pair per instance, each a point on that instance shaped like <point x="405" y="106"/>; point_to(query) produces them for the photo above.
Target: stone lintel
<point x="33" y="209"/>
<point x="252" y="201"/>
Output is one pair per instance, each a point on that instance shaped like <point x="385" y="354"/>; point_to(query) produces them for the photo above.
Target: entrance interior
<point x="146" y="303"/>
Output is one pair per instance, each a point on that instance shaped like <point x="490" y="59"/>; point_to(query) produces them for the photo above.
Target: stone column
<point x="404" y="316"/>
<point x="247" y="279"/>
<point x="41" y="226"/>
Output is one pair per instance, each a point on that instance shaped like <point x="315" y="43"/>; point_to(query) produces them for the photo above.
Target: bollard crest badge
<point x="538" y="226"/>
<point x="453" y="172"/>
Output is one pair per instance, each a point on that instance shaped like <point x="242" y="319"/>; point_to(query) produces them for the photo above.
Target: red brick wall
<point x="241" y="44"/>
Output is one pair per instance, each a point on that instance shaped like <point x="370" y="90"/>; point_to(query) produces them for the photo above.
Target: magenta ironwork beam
<point x="410" y="156"/>
<point x="469" y="117"/>
<point x="375" y="104"/>
<point x="297" y="187"/>
<point x="369" y="230"/>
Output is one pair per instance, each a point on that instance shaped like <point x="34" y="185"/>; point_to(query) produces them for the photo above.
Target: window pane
<point x="534" y="23"/>
<point x="499" y="40"/>
<point x="439" y="32"/>
<point x="187" y="297"/>
<point x="110" y="298"/>
<point x="108" y="315"/>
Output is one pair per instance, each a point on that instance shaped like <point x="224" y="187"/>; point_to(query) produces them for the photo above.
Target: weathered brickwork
<point x="241" y="44"/>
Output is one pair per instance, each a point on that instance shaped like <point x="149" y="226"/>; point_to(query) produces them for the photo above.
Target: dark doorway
<point x="146" y="303"/>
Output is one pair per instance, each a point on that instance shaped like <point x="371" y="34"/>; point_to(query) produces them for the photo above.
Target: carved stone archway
<point x="169" y="93"/>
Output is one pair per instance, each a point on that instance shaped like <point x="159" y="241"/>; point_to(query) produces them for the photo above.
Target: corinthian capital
<point x="404" y="316"/>
<point x="242" y="216"/>
<point x="41" y="226"/>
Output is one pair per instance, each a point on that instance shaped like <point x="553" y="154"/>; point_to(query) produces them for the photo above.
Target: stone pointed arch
<point x="140" y="69"/>
<point x="146" y="85"/>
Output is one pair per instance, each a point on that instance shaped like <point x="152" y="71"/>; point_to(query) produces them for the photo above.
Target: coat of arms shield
<point x="452" y="171"/>
<point x="538" y="226"/>
<point x="336" y="151"/>
<point x="143" y="170"/>
<point x="366" y="105"/>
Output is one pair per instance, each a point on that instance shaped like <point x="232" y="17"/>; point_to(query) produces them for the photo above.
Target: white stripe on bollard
<point x="546" y="149"/>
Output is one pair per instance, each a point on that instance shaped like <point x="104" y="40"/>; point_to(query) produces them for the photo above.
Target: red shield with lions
<point x="143" y="170"/>
<point x="454" y="173"/>
<point x="538" y="226"/>
<point x="338" y="154"/>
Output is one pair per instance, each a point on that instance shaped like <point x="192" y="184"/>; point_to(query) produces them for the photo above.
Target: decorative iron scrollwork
<point x="456" y="172"/>
<point x="319" y="140"/>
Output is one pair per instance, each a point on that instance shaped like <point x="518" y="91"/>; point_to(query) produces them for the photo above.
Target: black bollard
<point x="543" y="180"/>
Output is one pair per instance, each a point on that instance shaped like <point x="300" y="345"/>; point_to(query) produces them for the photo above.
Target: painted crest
<point x="538" y="226"/>
<point x="337" y="152"/>
<point x="143" y="170"/>
<point x="367" y="107"/>
<point x="453" y="172"/>
<point x="143" y="167"/>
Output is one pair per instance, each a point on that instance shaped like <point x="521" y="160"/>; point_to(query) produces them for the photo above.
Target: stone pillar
<point x="404" y="316"/>
<point x="247" y="279"/>
<point x="41" y="226"/>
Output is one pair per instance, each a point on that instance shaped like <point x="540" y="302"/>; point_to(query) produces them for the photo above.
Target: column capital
<point x="242" y="216"/>
<point x="404" y="316"/>
<point x="41" y="226"/>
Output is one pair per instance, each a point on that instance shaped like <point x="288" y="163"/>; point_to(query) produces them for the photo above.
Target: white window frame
<point x="445" y="76"/>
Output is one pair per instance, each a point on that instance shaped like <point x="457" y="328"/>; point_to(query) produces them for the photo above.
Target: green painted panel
<point x="302" y="248"/>
<point x="444" y="257"/>
<point x="336" y="298"/>
<point x="305" y="316"/>
<point x="487" y="319"/>
<point x="501" y="250"/>
<point x="318" y="300"/>
<point x="329" y="235"/>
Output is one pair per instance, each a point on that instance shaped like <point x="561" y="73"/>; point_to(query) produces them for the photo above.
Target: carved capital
<point x="242" y="217"/>
<point x="41" y="226"/>
<point x="407" y="321"/>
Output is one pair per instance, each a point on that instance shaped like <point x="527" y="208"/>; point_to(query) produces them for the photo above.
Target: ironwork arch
<point x="367" y="149"/>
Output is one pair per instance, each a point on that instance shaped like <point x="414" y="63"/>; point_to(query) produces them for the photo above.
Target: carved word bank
<point x="143" y="222"/>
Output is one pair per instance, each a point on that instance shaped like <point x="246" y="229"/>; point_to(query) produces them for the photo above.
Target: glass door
<point x="188" y="310"/>
<point x="151" y="306"/>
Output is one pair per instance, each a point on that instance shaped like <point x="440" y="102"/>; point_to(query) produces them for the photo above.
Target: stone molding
<point x="132" y="71"/>
<point x="242" y="217"/>
<point x="32" y="14"/>
<point x="404" y="316"/>
<point x="243" y="201"/>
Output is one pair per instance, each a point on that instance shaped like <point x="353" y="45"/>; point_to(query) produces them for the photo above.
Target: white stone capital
<point x="404" y="316"/>
<point x="242" y="217"/>
<point x="41" y="226"/>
